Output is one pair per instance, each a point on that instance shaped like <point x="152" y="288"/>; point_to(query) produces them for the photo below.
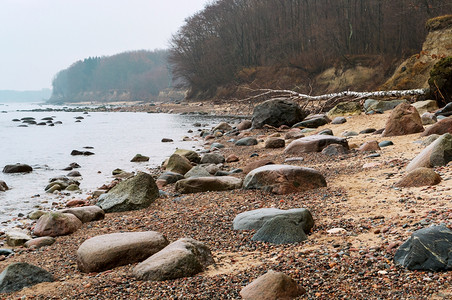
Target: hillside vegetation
<point x="286" y="44"/>
<point x="129" y="76"/>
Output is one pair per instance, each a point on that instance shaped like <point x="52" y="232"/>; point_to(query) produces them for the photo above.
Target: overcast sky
<point x="38" y="38"/>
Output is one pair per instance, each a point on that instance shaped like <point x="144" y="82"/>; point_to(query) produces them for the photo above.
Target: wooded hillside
<point x="130" y="76"/>
<point x="230" y="40"/>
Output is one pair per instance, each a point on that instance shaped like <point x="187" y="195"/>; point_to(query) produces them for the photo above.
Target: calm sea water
<point x="115" y="137"/>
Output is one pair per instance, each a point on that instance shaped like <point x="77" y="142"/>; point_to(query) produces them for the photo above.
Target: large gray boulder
<point x="108" y="251"/>
<point x="17" y="276"/>
<point x="17" y="168"/>
<point x="313" y="143"/>
<point x="178" y="164"/>
<point x="438" y="153"/>
<point x="281" y="230"/>
<point x="428" y="249"/>
<point x="208" y="184"/>
<point x="56" y="224"/>
<point x="425" y="106"/>
<point x="184" y="258"/>
<point x="283" y="179"/>
<point x="255" y="219"/>
<point x="86" y="213"/>
<point x="277" y="112"/>
<point x="132" y="194"/>
<point x="197" y="171"/>
<point x="381" y="105"/>
<point x="212" y="158"/>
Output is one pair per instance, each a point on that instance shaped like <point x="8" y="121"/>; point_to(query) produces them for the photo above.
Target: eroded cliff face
<point x="415" y="71"/>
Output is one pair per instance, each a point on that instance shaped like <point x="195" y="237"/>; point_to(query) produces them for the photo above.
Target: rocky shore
<point x="346" y="169"/>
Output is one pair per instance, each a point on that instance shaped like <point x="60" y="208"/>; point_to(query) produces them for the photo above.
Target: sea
<point x="114" y="137"/>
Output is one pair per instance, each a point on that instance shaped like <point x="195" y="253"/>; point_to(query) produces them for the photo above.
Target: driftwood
<point x="317" y="104"/>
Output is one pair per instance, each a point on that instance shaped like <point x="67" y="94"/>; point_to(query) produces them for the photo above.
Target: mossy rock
<point x="439" y="23"/>
<point x="440" y="81"/>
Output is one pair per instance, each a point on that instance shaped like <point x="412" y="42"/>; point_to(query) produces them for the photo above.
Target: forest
<point x="130" y="76"/>
<point x="230" y="40"/>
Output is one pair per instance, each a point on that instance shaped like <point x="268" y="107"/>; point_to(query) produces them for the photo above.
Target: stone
<point x="85" y="153"/>
<point x="170" y="177"/>
<point x="345" y="109"/>
<point x="312" y="123"/>
<point x="277" y="112"/>
<point x="105" y="252"/>
<point x="257" y="164"/>
<point x="212" y="158"/>
<point x="385" y="144"/>
<point x="440" y="81"/>
<point x="244" y="125"/>
<point x="134" y="193"/>
<point x="232" y="158"/>
<point x="40" y="242"/>
<point x="428" y="118"/>
<point x="86" y="213"/>
<point x="273" y="285"/>
<point x="438" y="153"/>
<point x="167" y="140"/>
<point x="367" y="130"/>
<point x="404" y="119"/>
<point x="326" y="131"/>
<point x="381" y="106"/>
<point x="430" y="139"/>
<point x="17" y="237"/>
<point x="419" y="177"/>
<point x="248" y="141"/>
<point x="223" y="126"/>
<point x="184" y="258"/>
<point x="445" y="111"/>
<point x="3" y="186"/>
<point x="338" y="120"/>
<point x="294" y="134"/>
<point x="255" y="219"/>
<point x="273" y="143"/>
<point x="140" y="158"/>
<point x="217" y="146"/>
<point x="211" y="168"/>
<point x="17" y="168"/>
<point x="441" y="127"/>
<point x="369" y="146"/>
<point x="17" y="276"/>
<point x="178" y="164"/>
<point x="426" y="106"/>
<point x="36" y="214"/>
<point x="349" y="133"/>
<point x="191" y="155"/>
<point x="334" y="150"/>
<point x="281" y="230"/>
<point x="313" y="143"/>
<point x="73" y="187"/>
<point x="197" y="171"/>
<point x="74" y="174"/>
<point x="283" y="179"/>
<point x="428" y="249"/>
<point x="208" y="184"/>
<point x="56" y="224"/>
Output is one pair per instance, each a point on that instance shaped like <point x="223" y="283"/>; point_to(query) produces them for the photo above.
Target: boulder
<point x="438" y="153"/>
<point x="35" y="215"/>
<point x="277" y="112"/>
<point x="3" y="186"/>
<point x="381" y="106"/>
<point x="430" y="139"/>
<point x="281" y="230"/>
<point x="419" y="177"/>
<point x="191" y="155"/>
<point x="257" y="164"/>
<point x="247" y="141"/>
<point x="232" y="158"/>
<point x="385" y="144"/>
<point x="17" y="276"/>
<point x="273" y="143"/>
<point x="56" y="224"/>
<point x="345" y="109"/>
<point x="140" y="158"/>
<point x="428" y="118"/>
<point x="283" y="179"/>
<point x="273" y="285"/>
<point x="293" y="134"/>
<point x="105" y="252"/>
<point x="74" y="174"/>
<point x="335" y="150"/>
<point x="367" y="130"/>
<point x="338" y="120"/>
<point x="178" y="164"/>
<point x="223" y="126"/>
<point x="326" y="131"/>
<point x="208" y="184"/>
<point x="428" y="249"/>
<point x="135" y="193"/>
<point x="168" y="178"/>
<point x="403" y="120"/>
<point x="445" y="111"/>
<point x="17" y="237"/>
<point x="183" y="258"/>
<point x="244" y="125"/>
<point x="425" y="106"/>
<point x="255" y="219"/>
<point x="86" y="213"/>
<point x="197" y="171"/>
<point x="369" y="146"/>
<point x="167" y="140"/>
<point x="313" y="143"/>
<point x="441" y="127"/>
<point x="212" y="158"/>
<point x="313" y="123"/>
<point x="40" y="242"/>
<point x="17" y="168"/>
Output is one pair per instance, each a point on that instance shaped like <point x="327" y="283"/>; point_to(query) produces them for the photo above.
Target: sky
<point x="38" y="38"/>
